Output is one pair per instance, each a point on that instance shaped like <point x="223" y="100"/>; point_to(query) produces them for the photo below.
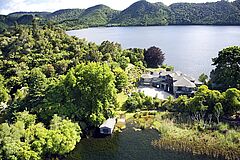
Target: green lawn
<point x="121" y="98"/>
<point x="154" y="69"/>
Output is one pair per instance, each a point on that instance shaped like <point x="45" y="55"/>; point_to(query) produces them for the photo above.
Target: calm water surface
<point x="128" y="145"/>
<point x="188" y="48"/>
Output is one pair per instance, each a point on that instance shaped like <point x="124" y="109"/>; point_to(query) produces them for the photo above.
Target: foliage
<point x="218" y="13"/>
<point x="3" y="90"/>
<point x="205" y="105"/>
<point x="26" y="139"/>
<point x="203" y="78"/>
<point x="154" y="57"/>
<point x="111" y="48"/>
<point x="35" y="60"/>
<point x="121" y="79"/>
<point x="231" y="104"/>
<point x="87" y="93"/>
<point x="139" y="101"/>
<point x="227" y="72"/>
<point x="141" y="13"/>
<point x="187" y="138"/>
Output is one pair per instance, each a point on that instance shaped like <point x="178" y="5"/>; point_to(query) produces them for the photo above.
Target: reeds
<point x="197" y="147"/>
<point x="207" y="142"/>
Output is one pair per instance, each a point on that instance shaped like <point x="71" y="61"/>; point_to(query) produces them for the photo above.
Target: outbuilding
<point x="108" y="126"/>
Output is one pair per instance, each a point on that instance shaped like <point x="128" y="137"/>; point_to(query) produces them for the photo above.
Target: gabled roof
<point x="109" y="123"/>
<point x="184" y="82"/>
<point x="177" y="75"/>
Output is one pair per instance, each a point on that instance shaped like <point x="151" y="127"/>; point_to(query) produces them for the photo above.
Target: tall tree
<point x="227" y="72"/>
<point x="121" y="79"/>
<point x="3" y="91"/>
<point x="154" y="57"/>
<point x="231" y="104"/>
<point x="25" y="139"/>
<point x="87" y="93"/>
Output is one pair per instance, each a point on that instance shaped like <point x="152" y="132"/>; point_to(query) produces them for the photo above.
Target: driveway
<point x="153" y="92"/>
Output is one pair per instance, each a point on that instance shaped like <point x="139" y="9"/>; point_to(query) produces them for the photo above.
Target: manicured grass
<point x="121" y="98"/>
<point x="129" y="115"/>
<point x="154" y="69"/>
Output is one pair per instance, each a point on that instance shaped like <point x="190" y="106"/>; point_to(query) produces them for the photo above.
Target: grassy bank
<point x="218" y="141"/>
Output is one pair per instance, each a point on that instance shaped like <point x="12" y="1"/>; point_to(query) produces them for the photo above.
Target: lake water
<point x="128" y="145"/>
<point x="189" y="49"/>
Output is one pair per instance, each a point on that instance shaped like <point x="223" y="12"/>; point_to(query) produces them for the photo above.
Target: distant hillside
<point x="98" y="15"/>
<point x="65" y="14"/>
<point x="39" y="14"/>
<point x="141" y="13"/>
<point x="219" y="13"/>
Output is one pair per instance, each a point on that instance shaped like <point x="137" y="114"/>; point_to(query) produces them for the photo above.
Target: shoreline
<point x="180" y="25"/>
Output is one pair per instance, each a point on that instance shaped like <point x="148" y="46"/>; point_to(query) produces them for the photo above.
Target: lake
<point x="189" y="49"/>
<point x="128" y="145"/>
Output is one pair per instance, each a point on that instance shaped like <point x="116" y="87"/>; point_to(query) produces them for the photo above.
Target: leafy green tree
<point x="181" y="103"/>
<point x="154" y="57"/>
<point x="231" y="104"/>
<point x="64" y="136"/>
<point x="48" y="70"/>
<point x="87" y="93"/>
<point x="94" y="91"/>
<point x="134" y="102"/>
<point x="227" y="72"/>
<point x="218" y="109"/>
<point x="135" y="55"/>
<point x="114" y="49"/>
<point x="93" y="54"/>
<point x="197" y="108"/>
<point x="121" y="79"/>
<point x="37" y="83"/>
<point x="157" y="103"/>
<point x="148" y="102"/>
<point x="3" y="90"/>
<point x="123" y="62"/>
<point x="211" y="97"/>
<point x="168" y="104"/>
<point x="25" y="139"/>
<point x="61" y="66"/>
<point x="203" y="78"/>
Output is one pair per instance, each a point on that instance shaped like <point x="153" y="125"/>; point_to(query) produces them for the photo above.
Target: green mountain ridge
<point x="19" y="14"/>
<point x="141" y="13"/>
<point x="221" y="12"/>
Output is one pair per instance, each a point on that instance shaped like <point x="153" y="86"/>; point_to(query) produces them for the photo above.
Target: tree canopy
<point x="154" y="57"/>
<point x="227" y="72"/>
<point x="87" y="93"/>
<point x="26" y="139"/>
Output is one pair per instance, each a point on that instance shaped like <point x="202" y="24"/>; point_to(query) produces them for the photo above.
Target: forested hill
<point x="140" y="13"/>
<point x="219" y="13"/>
<point x="144" y="13"/>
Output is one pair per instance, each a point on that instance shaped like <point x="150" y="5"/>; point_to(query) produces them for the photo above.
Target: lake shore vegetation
<point x="55" y="88"/>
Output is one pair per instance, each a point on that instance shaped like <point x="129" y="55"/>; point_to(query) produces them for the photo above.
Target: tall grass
<point x="220" y="142"/>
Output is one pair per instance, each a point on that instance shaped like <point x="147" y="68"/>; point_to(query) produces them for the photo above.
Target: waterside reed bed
<point x="217" y="141"/>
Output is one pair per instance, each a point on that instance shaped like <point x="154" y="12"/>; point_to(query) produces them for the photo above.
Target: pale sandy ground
<point x="151" y="91"/>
